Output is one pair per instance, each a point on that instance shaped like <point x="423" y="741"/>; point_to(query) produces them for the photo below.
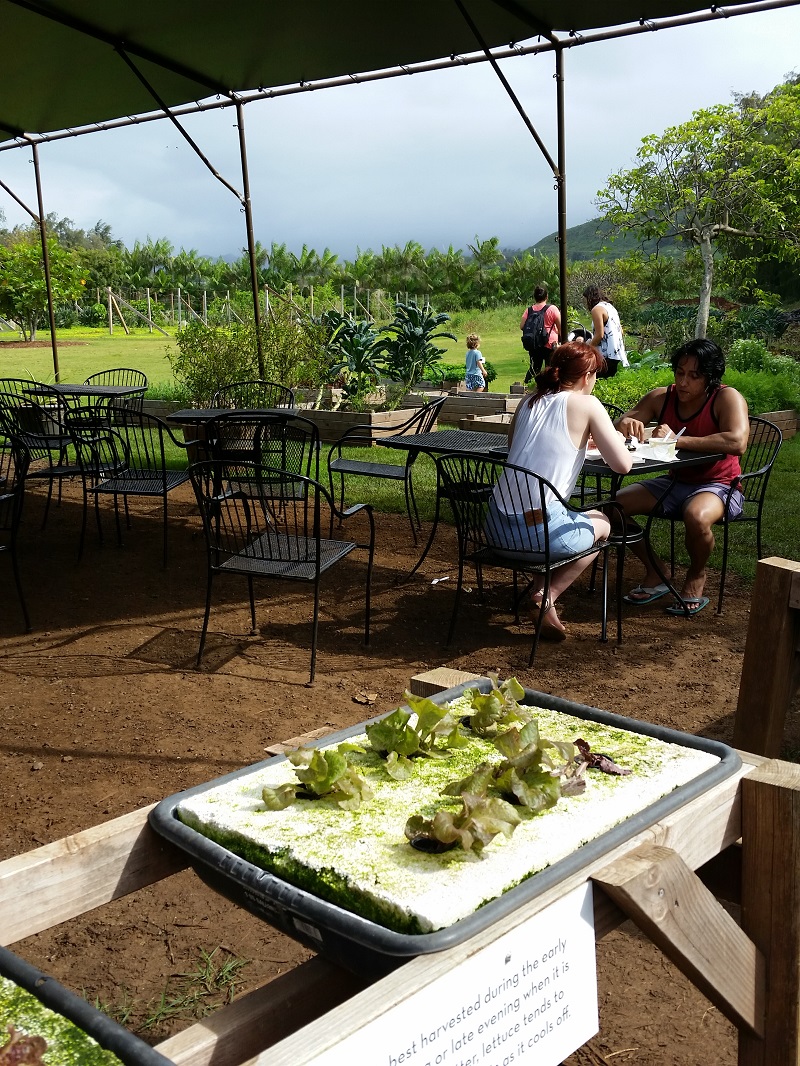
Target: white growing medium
<point x="379" y="874"/>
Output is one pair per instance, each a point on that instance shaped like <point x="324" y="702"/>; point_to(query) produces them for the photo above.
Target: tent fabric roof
<point x="62" y="68"/>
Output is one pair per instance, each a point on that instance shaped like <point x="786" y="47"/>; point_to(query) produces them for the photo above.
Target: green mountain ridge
<point x="594" y="240"/>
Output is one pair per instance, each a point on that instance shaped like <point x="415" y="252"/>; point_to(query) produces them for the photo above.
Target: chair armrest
<point x="354" y="509"/>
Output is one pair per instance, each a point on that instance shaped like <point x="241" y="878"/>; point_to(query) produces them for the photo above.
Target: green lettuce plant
<point x="322" y="775"/>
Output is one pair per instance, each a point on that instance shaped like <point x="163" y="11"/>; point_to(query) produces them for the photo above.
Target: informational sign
<point x="528" y="997"/>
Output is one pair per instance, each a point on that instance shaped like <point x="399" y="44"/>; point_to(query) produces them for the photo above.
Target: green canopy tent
<point x="74" y="66"/>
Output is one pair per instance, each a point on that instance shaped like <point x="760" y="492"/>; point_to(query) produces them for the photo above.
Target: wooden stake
<point x="770" y="671"/>
<point x="771" y="906"/>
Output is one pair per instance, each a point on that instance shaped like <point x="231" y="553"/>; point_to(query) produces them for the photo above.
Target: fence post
<point x="110" y="313"/>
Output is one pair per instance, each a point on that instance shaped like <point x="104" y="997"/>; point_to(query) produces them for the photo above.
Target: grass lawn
<point x="85" y="351"/>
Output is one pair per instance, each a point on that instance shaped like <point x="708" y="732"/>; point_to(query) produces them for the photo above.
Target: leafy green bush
<point x="627" y="387"/>
<point x="747" y="355"/>
<point x="93" y="315"/>
<point x="293" y="352"/>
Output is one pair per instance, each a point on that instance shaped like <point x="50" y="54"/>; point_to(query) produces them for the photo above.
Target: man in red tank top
<point x="713" y="418"/>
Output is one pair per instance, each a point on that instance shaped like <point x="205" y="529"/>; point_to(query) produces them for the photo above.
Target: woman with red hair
<point x="548" y="436"/>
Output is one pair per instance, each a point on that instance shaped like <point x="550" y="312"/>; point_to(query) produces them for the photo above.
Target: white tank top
<point x="543" y="445"/>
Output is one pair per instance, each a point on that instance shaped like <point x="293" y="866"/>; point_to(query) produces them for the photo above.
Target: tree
<point x="729" y="175"/>
<point x="23" y="292"/>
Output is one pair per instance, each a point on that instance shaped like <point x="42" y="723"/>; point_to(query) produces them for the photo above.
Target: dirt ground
<point x="103" y="713"/>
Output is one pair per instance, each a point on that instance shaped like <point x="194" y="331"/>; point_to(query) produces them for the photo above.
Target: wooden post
<point x="770" y="673"/>
<point x="771" y="906"/>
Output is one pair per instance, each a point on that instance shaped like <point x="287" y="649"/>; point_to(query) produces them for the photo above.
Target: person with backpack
<point x="541" y="326"/>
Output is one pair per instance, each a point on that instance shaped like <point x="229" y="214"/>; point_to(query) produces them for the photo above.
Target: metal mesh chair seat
<point x="291" y="558"/>
<point x="252" y="533"/>
<point x="396" y="472"/>
<point x="142" y="483"/>
<point x="422" y="421"/>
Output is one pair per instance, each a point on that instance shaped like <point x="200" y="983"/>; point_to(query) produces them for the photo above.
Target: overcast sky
<point x="438" y="158"/>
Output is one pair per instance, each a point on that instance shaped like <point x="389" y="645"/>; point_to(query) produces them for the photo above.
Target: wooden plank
<point x="770" y="667"/>
<point x="71" y="876"/>
<point x="439" y="680"/>
<point x="794" y="592"/>
<point x="262" y="1017"/>
<point x="771" y="906"/>
<point x="296" y="742"/>
<point x="700" y="829"/>
<point x="669" y="903"/>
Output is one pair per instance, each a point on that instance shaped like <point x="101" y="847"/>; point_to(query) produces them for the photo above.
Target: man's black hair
<point x="709" y="356"/>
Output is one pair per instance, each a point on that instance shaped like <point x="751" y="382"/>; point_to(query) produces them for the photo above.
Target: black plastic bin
<point x="369" y="949"/>
<point x="127" y="1047"/>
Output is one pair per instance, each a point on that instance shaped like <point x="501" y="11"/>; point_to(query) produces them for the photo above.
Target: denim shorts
<point x="680" y="492"/>
<point x="570" y="533"/>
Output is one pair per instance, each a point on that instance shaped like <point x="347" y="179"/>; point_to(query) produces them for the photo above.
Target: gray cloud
<point x="436" y="158"/>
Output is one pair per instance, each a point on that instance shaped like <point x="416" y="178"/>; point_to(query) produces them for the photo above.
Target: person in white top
<point x="548" y="436"/>
<point x="607" y="335"/>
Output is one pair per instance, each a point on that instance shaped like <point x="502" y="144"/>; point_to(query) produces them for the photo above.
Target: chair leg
<point x="620" y="573"/>
<point x="314" y="631"/>
<point x="604" y="599"/>
<point x="537" y="629"/>
<point x="724" y="570"/>
<point x="18" y="583"/>
<point x="166" y="527"/>
<point x="204" y="630"/>
<point x="411" y="502"/>
<point x="457" y="600"/>
<point x="252" y="598"/>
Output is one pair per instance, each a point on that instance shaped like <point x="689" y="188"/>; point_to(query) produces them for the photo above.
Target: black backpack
<point x="534" y="334"/>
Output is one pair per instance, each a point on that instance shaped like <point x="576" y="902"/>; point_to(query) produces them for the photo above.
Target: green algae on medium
<point x="67" y="1045"/>
<point x="360" y="860"/>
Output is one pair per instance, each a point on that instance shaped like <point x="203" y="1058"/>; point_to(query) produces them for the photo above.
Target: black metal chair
<point x="422" y="421"/>
<point x="256" y="395"/>
<point x="468" y="482"/>
<point x="14" y="463"/>
<point x="128" y="458"/>
<point x="255" y="534"/>
<point x="122" y="376"/>
<point x="756" y="463"/>
<point x="280" y="439"/>
<point x="36" y="415"/>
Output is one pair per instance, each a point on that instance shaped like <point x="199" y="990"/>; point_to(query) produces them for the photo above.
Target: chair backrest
<point x="480" y="492"/>
<point x="35" y="418"/>
<point x="238" y="518"/>
<point x="279" y="439"/>
<point x="146" y="439"/>
<point x="614" y="410"/>
<point x="424" y="419"/>
<point x="762" y="450"/>
<point x="118" y="376"/>
<point x="255" y="395"/>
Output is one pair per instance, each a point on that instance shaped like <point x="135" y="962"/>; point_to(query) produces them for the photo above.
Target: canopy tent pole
<point x="251" y="244"/>
<point x="40" y="222"/>
<point x="46" y="261"/>
<point x="243" y="198"/>
<point x="561" y="191"/>
<point x="559" y="173"/>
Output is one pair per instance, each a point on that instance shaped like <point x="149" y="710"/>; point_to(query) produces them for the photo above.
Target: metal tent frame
<point x="109" y="58"/>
